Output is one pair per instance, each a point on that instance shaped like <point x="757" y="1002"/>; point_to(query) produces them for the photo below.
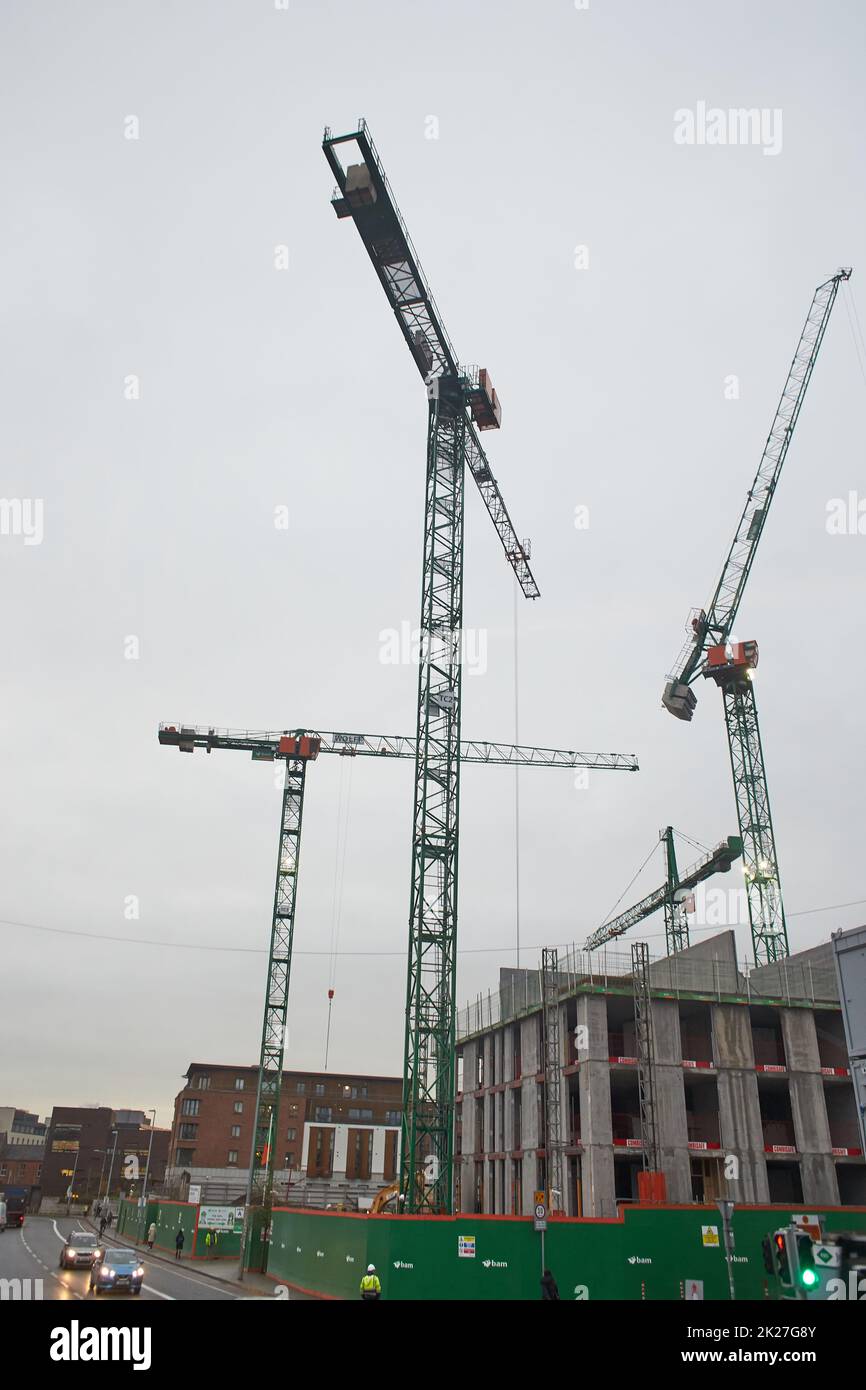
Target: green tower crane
<point x="671" y="894"/>
<point x="711" y="651"/>
<point x="296" y="748"/>
<point x="461" y="402"/>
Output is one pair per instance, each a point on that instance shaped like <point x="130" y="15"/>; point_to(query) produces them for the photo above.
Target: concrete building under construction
<point x="752" y="1092"/>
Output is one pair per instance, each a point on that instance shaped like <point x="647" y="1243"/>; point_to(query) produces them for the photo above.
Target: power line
<point x="261" y="951"/>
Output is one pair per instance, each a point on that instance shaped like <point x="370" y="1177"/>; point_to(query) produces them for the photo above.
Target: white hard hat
<point x="371" y="1269"/>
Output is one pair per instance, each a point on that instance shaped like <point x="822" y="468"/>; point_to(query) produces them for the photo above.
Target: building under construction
<point x="737" y="1079"/>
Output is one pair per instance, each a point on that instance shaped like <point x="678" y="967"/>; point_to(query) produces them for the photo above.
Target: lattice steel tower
<point x="712" y="652"/>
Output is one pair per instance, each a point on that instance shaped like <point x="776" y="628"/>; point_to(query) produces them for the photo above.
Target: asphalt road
<point x="34" y="1251"/>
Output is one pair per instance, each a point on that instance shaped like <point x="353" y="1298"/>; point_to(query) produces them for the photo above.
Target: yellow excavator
<point x="386" y="1199"/>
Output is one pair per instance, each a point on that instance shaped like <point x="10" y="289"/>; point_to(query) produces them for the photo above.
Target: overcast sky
<point x="512" y="134"/>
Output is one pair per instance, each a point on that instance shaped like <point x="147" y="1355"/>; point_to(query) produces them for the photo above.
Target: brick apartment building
<point x="749" y="1064"/>
<point x="81" y="1141"/>
<point x="336" y="1130"/>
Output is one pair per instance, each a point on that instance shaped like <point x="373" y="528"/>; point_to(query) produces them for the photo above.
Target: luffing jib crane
<point x="670" y="895"/>
<point x="297" y="748"/>
<point x="713" y="653"/>
<point x="461" y="402"/>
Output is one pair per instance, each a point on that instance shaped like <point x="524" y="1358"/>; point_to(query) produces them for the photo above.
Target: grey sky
<point x="259" y="387"/>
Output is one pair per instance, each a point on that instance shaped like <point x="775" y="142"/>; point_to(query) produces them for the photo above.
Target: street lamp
<point x="726" y="1209"/>
<point x="149" y="1151"/>
<point x="110" y="1171"/>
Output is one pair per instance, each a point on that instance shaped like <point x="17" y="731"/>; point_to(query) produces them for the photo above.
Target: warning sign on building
<point x="710" y="1235"/>
<point x="466" y="1247"/>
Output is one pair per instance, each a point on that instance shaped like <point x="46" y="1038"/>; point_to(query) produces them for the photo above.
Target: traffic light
<point x="783" y="1264"/>
<point x="806" y="1272"/>
<point x="767" y="1248"/>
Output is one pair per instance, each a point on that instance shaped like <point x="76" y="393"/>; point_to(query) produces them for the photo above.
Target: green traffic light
<point x="808" y="1278"/>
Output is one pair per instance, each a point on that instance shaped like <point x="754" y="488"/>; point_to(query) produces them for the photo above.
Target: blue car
<point x="118" y="1269"/>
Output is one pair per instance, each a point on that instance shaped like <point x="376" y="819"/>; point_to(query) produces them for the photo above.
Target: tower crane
<point x="461" y="403"/>
<point x="297" y="748"/>
<point x="670" y="894"/>
<point x="711" y="651"/>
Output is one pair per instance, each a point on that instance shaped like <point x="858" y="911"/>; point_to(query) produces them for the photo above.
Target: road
<point x="33" y="1253"/>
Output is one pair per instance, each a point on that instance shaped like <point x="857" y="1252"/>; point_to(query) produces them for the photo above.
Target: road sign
<point x="540" y="1215"/>
<point x="694" y="1290"/>
<point x="827" y="1256"/>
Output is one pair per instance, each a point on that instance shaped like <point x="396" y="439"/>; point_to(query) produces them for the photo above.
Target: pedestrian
<point x="98" y="1209"/>
<point x="370" y="1286"/>
<point x="151" y="1235"/>
<point x="110" y="1218"/>
<point x="102" y="1224"/>
<point x="207" y="1243"/>
<point x="178" y="1243"/>
<point x="548" y="1286"/>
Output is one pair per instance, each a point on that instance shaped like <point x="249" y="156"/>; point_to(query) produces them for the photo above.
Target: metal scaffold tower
<point x="713" y="653"/>
<point x="552" y="1045"/>
<point x="676" y="918"/>
<point x="296" y="749"/>
<point x="645" y="1045"/>
<point x="461" y="399"/>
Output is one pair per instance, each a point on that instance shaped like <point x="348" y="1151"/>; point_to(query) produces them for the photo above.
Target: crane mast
<point x="710" y="651"/>
<point x="461" y="400"/>
<point x="296" y="748"/>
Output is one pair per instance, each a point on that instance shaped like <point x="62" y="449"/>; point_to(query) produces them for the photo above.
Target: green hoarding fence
<point x="170" y="1217"/>
<point x="649" y="1253"/>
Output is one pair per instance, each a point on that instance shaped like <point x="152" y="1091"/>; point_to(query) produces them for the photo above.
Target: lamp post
<point x="726" y="1208"/>
<point x="149" y="1152"/>
<point x="72" y="1179"/>
<point x="110" y="1171"/>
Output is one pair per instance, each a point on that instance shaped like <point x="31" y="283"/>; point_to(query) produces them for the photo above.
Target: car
<point x="118" y="1269"/>
<point x="81" y="1248"/>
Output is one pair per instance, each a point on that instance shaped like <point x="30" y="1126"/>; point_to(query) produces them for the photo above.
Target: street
<point x="32" y="1253"/>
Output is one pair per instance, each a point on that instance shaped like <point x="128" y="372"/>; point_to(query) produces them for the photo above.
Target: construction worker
<point x="370" y="1286"/>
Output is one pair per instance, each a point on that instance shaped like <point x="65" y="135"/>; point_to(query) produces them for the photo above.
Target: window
<point x="320" y="1088"/>
<point x="236" y="1131"/>
<point x="291" y="1134"/>
<point x="392" y="1117"/>
<point x="188" y="1132"/>
<point x="302" y="1086"/>
<point x="239" y="1083"/>
<point x="322" y="1112"/>
<point x="356" y="1113"/>
<point x="355" y="1091"/>
<point x="239" y="1107"/>
<point x="190" y="1107"/>
<point x="202" y="1081"/>
<point x="183" y="1158"/>
<point x="233" y="1156"/>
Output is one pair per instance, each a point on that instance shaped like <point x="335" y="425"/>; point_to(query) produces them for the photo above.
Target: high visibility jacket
<point x="370" y="1284"/>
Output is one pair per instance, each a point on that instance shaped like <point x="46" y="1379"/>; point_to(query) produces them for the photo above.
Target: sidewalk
<point x="253" y="1285"/>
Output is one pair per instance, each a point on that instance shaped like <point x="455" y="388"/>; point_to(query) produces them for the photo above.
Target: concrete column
<point x="508" y="1052"/>
<point x="597" y="1175"/>
<point x="809" y="1107"/>
<point x="670" y="1101"/>
<point x="740" y="1128"/>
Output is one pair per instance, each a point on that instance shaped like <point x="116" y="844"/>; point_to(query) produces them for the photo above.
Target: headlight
<point x="97" y="1255"/>
<point x="139" y="1272"/>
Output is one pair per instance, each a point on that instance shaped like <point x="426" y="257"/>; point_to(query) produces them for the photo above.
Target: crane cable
<point x="856" y="330"/>
<point x="341" y="839"/>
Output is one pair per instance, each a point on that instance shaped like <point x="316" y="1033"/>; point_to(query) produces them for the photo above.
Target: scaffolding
<point x="552" y="1076"/>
